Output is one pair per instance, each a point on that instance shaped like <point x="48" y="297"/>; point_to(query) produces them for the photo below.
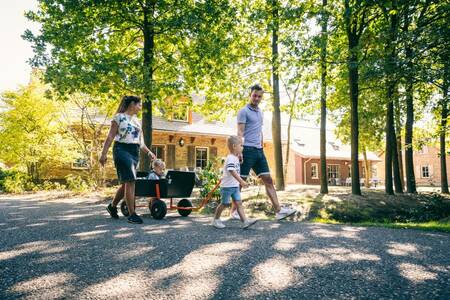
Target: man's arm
<point x="241" y="129"/>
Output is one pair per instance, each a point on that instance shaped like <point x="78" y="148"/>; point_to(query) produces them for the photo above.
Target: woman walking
<point x="126" y="133"/>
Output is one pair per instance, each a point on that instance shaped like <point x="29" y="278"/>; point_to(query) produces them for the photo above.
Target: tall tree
<point x="443" y="127"/>
<point x="146" y="47"/>
<point x="356" y="21"/>
<point x="323" y="99"/>
<point x="276" y="118"/>
<point x="390" y="12"/>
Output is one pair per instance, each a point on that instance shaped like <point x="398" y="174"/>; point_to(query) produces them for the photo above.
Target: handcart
<point x="176" y="185"/>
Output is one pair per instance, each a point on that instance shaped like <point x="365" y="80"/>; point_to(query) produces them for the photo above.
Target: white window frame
<point x="422" y="171"/>
<point x="338" y="171"/>
<point x="207" y="155"/>
<point x="316" y="176"/>
<point x="164" y="149"/>
<point x="181" y="120"/>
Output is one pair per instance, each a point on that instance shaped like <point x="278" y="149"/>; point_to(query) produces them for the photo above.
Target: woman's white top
<point x="129" y="131"/>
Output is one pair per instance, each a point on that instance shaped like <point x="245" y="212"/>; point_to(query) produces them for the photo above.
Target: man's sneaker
<point x="235" y="216"/>
<point x="248" y="223"/>
<point x="135" y="219"/>
<point x="112" y="211"/>
<point x="284" y="213"/>
<point x="218" y="224"/>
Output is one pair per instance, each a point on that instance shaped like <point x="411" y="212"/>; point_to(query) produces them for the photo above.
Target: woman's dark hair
<point x="256" y="87"/>
<point x="126" y="101"/>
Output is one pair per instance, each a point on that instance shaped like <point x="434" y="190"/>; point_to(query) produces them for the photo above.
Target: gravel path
<point x="70" y="248"/>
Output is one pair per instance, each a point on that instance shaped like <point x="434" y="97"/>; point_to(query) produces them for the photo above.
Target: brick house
<point x="187" y="141"/>
<point x="427" y="166"/>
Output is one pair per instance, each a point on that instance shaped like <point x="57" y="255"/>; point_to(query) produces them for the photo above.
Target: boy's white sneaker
<point x="284" y="213"/>
<point x="249" y="222"/>
<point x="218" y="224"/>
<point x="235" y="216"/>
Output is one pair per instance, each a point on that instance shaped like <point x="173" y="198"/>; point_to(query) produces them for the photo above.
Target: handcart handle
<point x="209" y="195"/>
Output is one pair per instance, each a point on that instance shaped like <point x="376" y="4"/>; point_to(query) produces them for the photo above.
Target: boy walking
<point x="229" y="187"/>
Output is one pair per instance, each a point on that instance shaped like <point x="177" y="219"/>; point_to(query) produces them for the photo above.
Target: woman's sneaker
<point x="248" y="223"/>
<point x="135" y="219"/>
<point x="284" y="213"/>
<point x="112" y="211"/>
<point x="218" y="224"/>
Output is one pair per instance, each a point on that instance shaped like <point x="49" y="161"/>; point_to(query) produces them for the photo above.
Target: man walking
<point x="250" y="126"/>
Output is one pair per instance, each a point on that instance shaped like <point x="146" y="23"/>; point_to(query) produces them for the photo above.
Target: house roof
<point x="199" y="126"/>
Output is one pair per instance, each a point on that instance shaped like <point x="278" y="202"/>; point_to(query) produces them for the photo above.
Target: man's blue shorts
<point x="228" y="193"/>
<point x="254" y="158"/>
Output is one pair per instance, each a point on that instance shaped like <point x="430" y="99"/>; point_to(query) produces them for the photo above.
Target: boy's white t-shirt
<point x="231" y="163"/>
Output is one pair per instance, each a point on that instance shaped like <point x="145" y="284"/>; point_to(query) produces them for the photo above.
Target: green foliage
<point x="12" y="181"/>
<point x="210" y="176"/>
<point x="77" y="183"/>
<point x="32" y="136"/>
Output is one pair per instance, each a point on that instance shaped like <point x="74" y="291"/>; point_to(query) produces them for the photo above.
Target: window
<point x="181" y="115"/>
<point x="201" y="157"/>
<point x="158" y="150"/>
<point x="314" y="171"/>
<point x="333" y="171"/>
<point x="425" y="172"/>
<point x="81" y="164"/>
<point x="374" y="171"/>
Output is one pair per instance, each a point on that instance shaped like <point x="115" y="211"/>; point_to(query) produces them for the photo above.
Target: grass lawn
<point x="426" y="210"/>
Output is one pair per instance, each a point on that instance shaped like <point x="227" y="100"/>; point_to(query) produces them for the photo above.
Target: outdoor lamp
<point x="181" y="142"/>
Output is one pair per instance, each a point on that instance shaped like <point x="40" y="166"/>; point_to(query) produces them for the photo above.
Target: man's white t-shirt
<point x="231" y="164"/>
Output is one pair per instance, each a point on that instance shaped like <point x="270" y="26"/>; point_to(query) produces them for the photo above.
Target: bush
<point x="77" y="183"/>
<point x="209" y="177"/>
<point x="12" y="181"/>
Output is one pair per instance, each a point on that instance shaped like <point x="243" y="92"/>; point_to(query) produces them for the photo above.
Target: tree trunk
<point x="367" y="167"/>
<point x="323" y="101"/>
<point x="444" y="115"/>
<point x="409" y="92"/>
<point x="398" y="137"/>
<point x="276" y="122"/>
<point x="388" y="153"/>
<point x="409" y="160"/>
<point x="288" y="144"/>
<point x="353" y="78"/>
<point x="391" y="143"/>
<point x="396" y="161"/>
<point x="395" y="165"/>
<point x="149" y="48"/>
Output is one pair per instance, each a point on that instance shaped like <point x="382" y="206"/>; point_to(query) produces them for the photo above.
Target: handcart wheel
<point x="158" y="209"/>
<point x="184" y="203"/>
<point x="124" y="208"/>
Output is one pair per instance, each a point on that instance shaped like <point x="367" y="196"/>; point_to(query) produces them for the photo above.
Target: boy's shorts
<point x="228" y="193"/>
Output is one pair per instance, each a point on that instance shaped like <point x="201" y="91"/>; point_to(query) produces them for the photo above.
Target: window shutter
<point x="430" y="170"/>
<point x="170" y="157"/>
<point x="191" y="156"/>
<point x="212" y="153"/>
<point x="163" y="154"/>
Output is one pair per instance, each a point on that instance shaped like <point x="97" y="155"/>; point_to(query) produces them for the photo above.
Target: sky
<point x="14" y="52"/>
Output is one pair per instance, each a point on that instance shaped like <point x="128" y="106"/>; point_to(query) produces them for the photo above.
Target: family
<point x="245" y="154"/>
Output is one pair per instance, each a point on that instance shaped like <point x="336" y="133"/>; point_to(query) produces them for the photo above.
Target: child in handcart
<point x="229" y="187"/>
<point x="157" y="172"/>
